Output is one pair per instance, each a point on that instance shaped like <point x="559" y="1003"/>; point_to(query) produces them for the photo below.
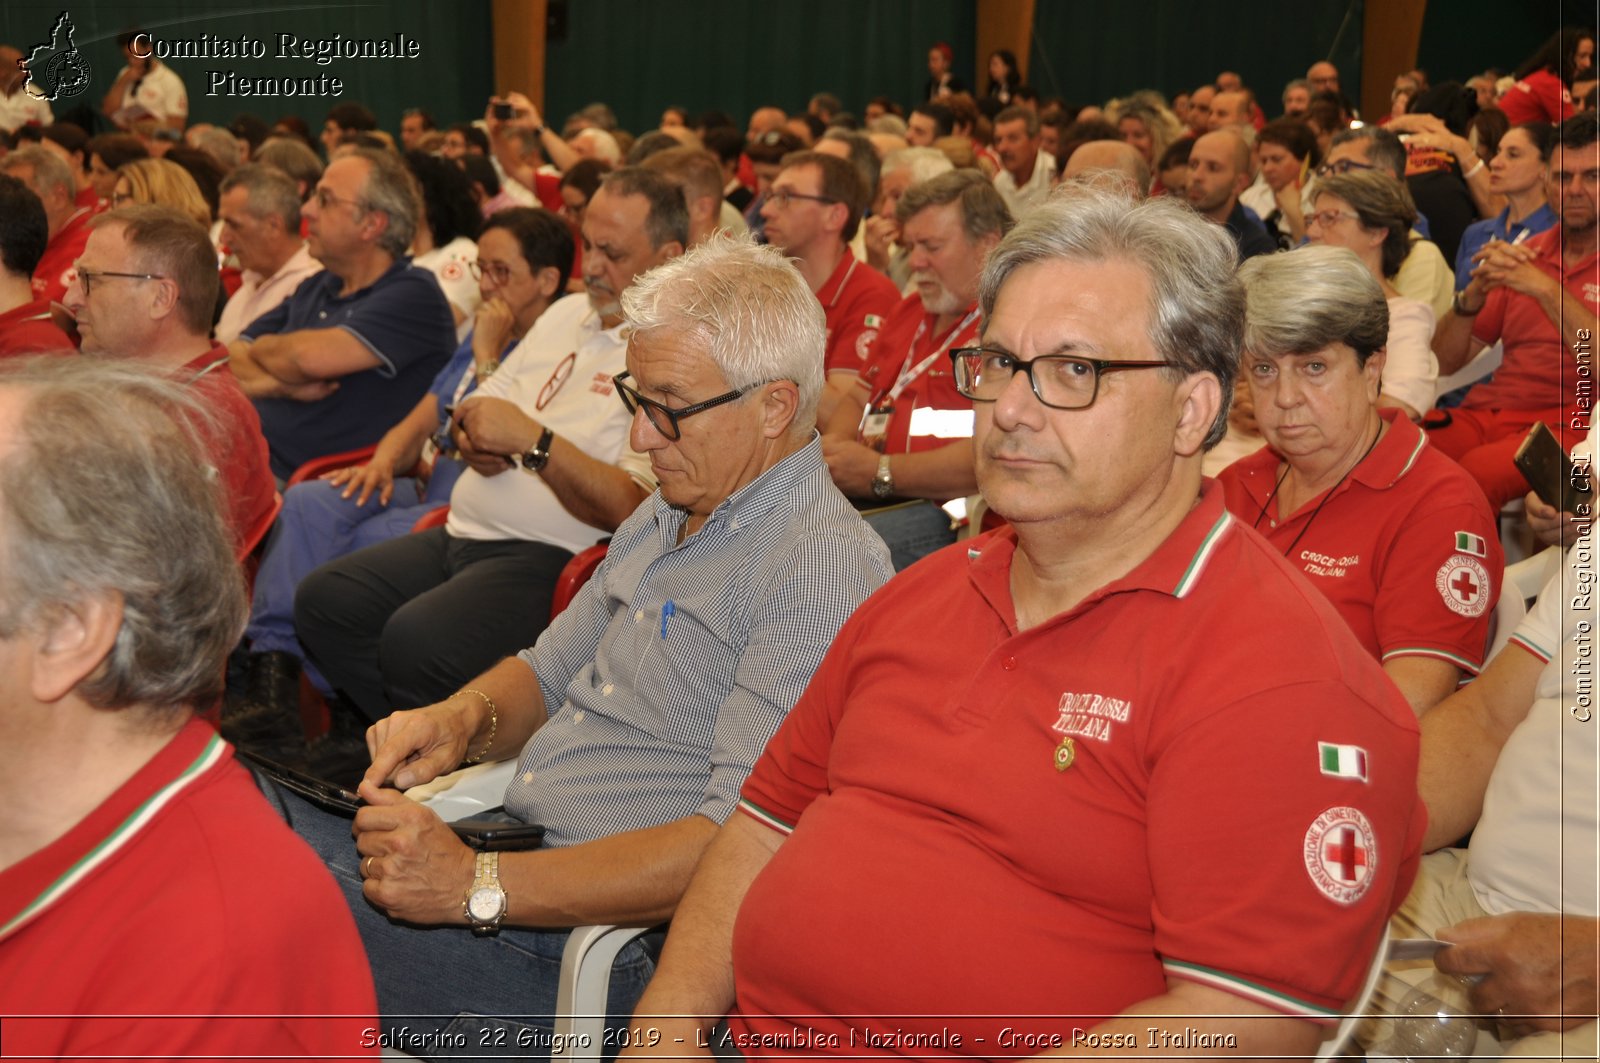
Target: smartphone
<point x="1550" y="472"/>
<point x="490" y="835"/>
<point x="504" y="111"/>
<point x="324" y="794"/>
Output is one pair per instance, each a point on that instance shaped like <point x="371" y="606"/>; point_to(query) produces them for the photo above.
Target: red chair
<point x="575" y="575"/>
<point x="434" y="518"/>
<point x="249" y="551"/>
<point x="316" y="467"/>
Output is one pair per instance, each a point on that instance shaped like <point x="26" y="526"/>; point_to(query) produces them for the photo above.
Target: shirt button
<point x="527" y="777"/>
<point x="607" y="689"/>
<point x="638" y="616"/>
<point x="1009" y="664"/>
<point x="577" y="717"/>
<point x="322" y="314"/>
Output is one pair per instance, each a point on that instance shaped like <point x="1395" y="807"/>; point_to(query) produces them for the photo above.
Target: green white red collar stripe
<point x="1416" y="452"/>
<point x="1243" y="987"/>
<point x="1197" y="564"/>
<point x="762" y="816"/>
<point x="1532" y="647"/>
<point x="215" y="750"/>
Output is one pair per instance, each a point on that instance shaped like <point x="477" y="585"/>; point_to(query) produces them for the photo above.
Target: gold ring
<point x="366" y="868"/>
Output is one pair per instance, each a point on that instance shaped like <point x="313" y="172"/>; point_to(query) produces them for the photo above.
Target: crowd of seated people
<point x="1167" y="371"/>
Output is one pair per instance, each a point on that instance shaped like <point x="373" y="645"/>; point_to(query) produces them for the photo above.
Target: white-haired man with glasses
<point x="549" y="473"/>
<point x="637" y="715"/>
<point x="1071" y="730"/>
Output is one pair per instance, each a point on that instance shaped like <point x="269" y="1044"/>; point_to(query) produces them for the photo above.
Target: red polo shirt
<point x="1406" y="547"/>
<point x="29" y="330"/>
<point x="181" y="919"/>
<point x="1136" y="789"/>
<point x="240" y="453"/>
<point x="856" y="299"/>
<point x="907" y="341"/>
<point x="1538" y="370"/>
<point x="55" y="270"/>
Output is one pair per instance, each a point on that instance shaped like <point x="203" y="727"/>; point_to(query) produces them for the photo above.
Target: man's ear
<point x="548" y="281"/>
<point x="1199" y="399"/>
<point x="72" y="643"/>
<point x="779" y="406"/>
<point x="667" y="252"/>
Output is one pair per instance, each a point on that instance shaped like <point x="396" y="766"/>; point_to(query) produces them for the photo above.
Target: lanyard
<point x="908" y="372"/>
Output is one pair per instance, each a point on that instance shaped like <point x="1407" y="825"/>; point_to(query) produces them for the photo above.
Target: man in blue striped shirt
<point x="640" y="711"/>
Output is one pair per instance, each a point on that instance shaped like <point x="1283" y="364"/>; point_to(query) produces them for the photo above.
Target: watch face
<point x="486" y="903"/>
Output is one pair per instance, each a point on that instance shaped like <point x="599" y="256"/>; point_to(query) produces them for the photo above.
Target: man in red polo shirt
<point x="152" y="904"/>
<point x="903" y="445"/>
<point x="1072" y="732"/>
<point x="812" y="214"/>
<point x="1539" y="299"/>
<point x="145" y="289"/>
<point x="51" y="180"/>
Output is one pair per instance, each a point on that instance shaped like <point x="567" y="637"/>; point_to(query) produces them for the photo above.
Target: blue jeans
<point x="911" y="531"/>
<point x="443" y="991"/>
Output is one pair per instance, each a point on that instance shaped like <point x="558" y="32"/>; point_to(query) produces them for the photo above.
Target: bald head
<point x="1110" y="156"/>
<point x="1323" y="76"/>
<point x="765" y="120"/>
<point x="1230" y="109"/>
<point x="1228" y="141"/>
<point x="1228" y="81"/>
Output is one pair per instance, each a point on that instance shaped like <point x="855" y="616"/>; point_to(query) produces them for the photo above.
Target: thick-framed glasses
<point x="326" y="199"/>
<point x="1060" y="381"/>
<point x="88" y="277"/>
<point x="1328" y="218"/>
<point x="664" y="419"/>
<point x="782" y="197"/>
<point x="498" y="272"/>
<point x="1328" y="169"/>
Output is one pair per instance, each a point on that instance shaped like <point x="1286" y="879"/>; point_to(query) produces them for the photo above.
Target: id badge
<point x="875" y="427"/>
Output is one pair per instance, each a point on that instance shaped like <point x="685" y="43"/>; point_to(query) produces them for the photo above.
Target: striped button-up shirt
<point x="675" y="664"/>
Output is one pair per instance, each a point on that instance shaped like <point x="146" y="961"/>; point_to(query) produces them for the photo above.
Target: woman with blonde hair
<point x="157" y="181"/>
<point x="1145" y="123"/>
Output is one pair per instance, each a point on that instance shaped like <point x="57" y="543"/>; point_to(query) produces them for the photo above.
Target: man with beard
<point x="910" y="447"/>
<point x="1219" y="170"/>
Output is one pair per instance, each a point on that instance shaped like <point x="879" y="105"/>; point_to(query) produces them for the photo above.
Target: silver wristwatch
<point x="486" y="901"/>
<point x="883" y="483"/>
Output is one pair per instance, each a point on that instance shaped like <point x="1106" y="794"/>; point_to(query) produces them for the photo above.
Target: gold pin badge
<point x="1065" y="754"/>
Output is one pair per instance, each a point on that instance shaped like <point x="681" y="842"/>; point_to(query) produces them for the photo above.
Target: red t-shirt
<point x="1538" y="372"/>
<point x="856" y="299"/>
<point x="241" y="455"/>
<point x="182" y="897"/>
<point x="1135" y="790"/>
<point x="1406" y="548"/>
<point x="29" y="330"/>
<point x="1539" y="97"/>
<point x="56" y="270"/>
<point x="907" y="346"/>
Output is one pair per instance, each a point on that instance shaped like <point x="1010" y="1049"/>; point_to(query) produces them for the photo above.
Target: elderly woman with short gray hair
<point x="1396" y="535"/>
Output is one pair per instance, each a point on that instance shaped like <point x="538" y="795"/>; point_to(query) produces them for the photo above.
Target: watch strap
<point x="536" y="459"/>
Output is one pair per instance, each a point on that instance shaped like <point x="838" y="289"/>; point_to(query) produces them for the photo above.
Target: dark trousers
<point x="408" y="622"/>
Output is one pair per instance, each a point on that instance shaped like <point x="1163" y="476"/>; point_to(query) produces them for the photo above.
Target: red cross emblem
<point x="1341" y="854"/>
<point x="1465" y="585"/>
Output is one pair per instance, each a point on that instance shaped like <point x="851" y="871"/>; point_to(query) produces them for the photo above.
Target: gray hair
<point x="888" y="123"/>
<point x="748" y="307"/>
<point x="1311" y="298"/>
<point x="49" y="169"/>
<point x="924" y="164"/>
<point x="290" y="155"/>
<point x="392" y="189"/>
<point x="983" y="212"/>
<point x="220" y="144"/>
<point x="109" y="493"/>
<point x="1296" y="83"/>
<point x="1384" y="149"/>
<point x="1197" y="305"/>
<point x="270" y="191"/>
<point x="863" y="156"/>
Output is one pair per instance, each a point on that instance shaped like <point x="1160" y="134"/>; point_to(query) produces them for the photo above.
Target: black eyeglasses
<point x="1059" y="381"/>
<point x="781" y="197"/>
<point x="1328" y="169"/>
<point x="664" y="419"/>
<point x="87" y="277"/>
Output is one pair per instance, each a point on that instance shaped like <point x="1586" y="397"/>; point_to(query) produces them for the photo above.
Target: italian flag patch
<point x="1344" y="762"/>
<point x="1467" y="543"/>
